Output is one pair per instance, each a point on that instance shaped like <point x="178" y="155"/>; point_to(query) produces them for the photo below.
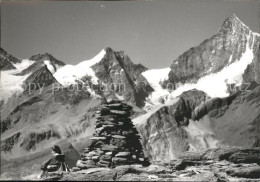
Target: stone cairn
<point x="115" y="140"/>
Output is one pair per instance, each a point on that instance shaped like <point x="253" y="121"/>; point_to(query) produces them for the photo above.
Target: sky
<point x="152" y="32"/>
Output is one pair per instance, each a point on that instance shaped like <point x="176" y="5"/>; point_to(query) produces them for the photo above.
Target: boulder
<point x="104" y="162"/>
<point x="106" y="157"/>
<point x="81" y="165"/>
<point x="248" y="172"/>
<point x="120" y="113"/>
<point x="103" y="165"/>
<point x="119" y="160"/>
<point x="95" y="158"/>
<point x="247" y="156"/>
<point x="118" y="136"/>
<point x="109" y="148"/>
<point x="123" y="154"/>
<point x="108" y="153"/>
<point x="98" y="138"/>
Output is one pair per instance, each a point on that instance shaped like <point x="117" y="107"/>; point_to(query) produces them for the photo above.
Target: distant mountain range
<point x="208" y="97"/>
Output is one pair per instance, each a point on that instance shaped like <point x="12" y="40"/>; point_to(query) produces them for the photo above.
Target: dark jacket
<point x="55" y="163"/>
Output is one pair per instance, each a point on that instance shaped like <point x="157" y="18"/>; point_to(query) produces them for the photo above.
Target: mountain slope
<point x="162" y="133"/>
<point x="35" y="121"/>
<point x="195" y="122"/>
<point x="7" y="61"/>
<point x="39" y="79"/>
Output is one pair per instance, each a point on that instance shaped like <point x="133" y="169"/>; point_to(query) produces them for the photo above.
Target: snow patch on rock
<point x="155" y="77"/>
<point x="49" y="66"/>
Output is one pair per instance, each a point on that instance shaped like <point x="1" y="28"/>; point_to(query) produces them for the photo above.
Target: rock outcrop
<point x="115" y="140"/>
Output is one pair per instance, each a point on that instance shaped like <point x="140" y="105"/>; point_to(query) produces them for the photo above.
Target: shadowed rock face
<point x="252" y="72"/>
<point x="122" y="77"/>
<point x="5" y="64"/>
<point x="39" y="79"/>
<point x="7" y="61"/>
<point x="215" y="53"/>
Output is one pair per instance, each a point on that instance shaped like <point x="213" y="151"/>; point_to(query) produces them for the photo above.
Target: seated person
<point x="55" y="163"/>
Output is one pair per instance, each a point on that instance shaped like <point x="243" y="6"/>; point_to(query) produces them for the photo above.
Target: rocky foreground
<point x="230" y="164"/>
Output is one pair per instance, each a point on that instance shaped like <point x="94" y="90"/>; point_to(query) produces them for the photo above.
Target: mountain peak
<point x="232" y="24"/>
<point x="5" y="55"/>
<point x="109" y="49"/>
<point x="40" y="57"/>
<point x="233" y="17"/>
<point x="46" y="56"/>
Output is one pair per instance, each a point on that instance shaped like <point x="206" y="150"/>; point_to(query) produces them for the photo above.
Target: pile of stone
<point x="115" y="140"/>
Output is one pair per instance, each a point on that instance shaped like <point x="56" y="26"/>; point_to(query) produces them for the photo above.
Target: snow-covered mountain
<point x="191" y="105"/>
<point x="229" y="57"/>
<point x="69" y="74"/>
<point x="13" y="81"/>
